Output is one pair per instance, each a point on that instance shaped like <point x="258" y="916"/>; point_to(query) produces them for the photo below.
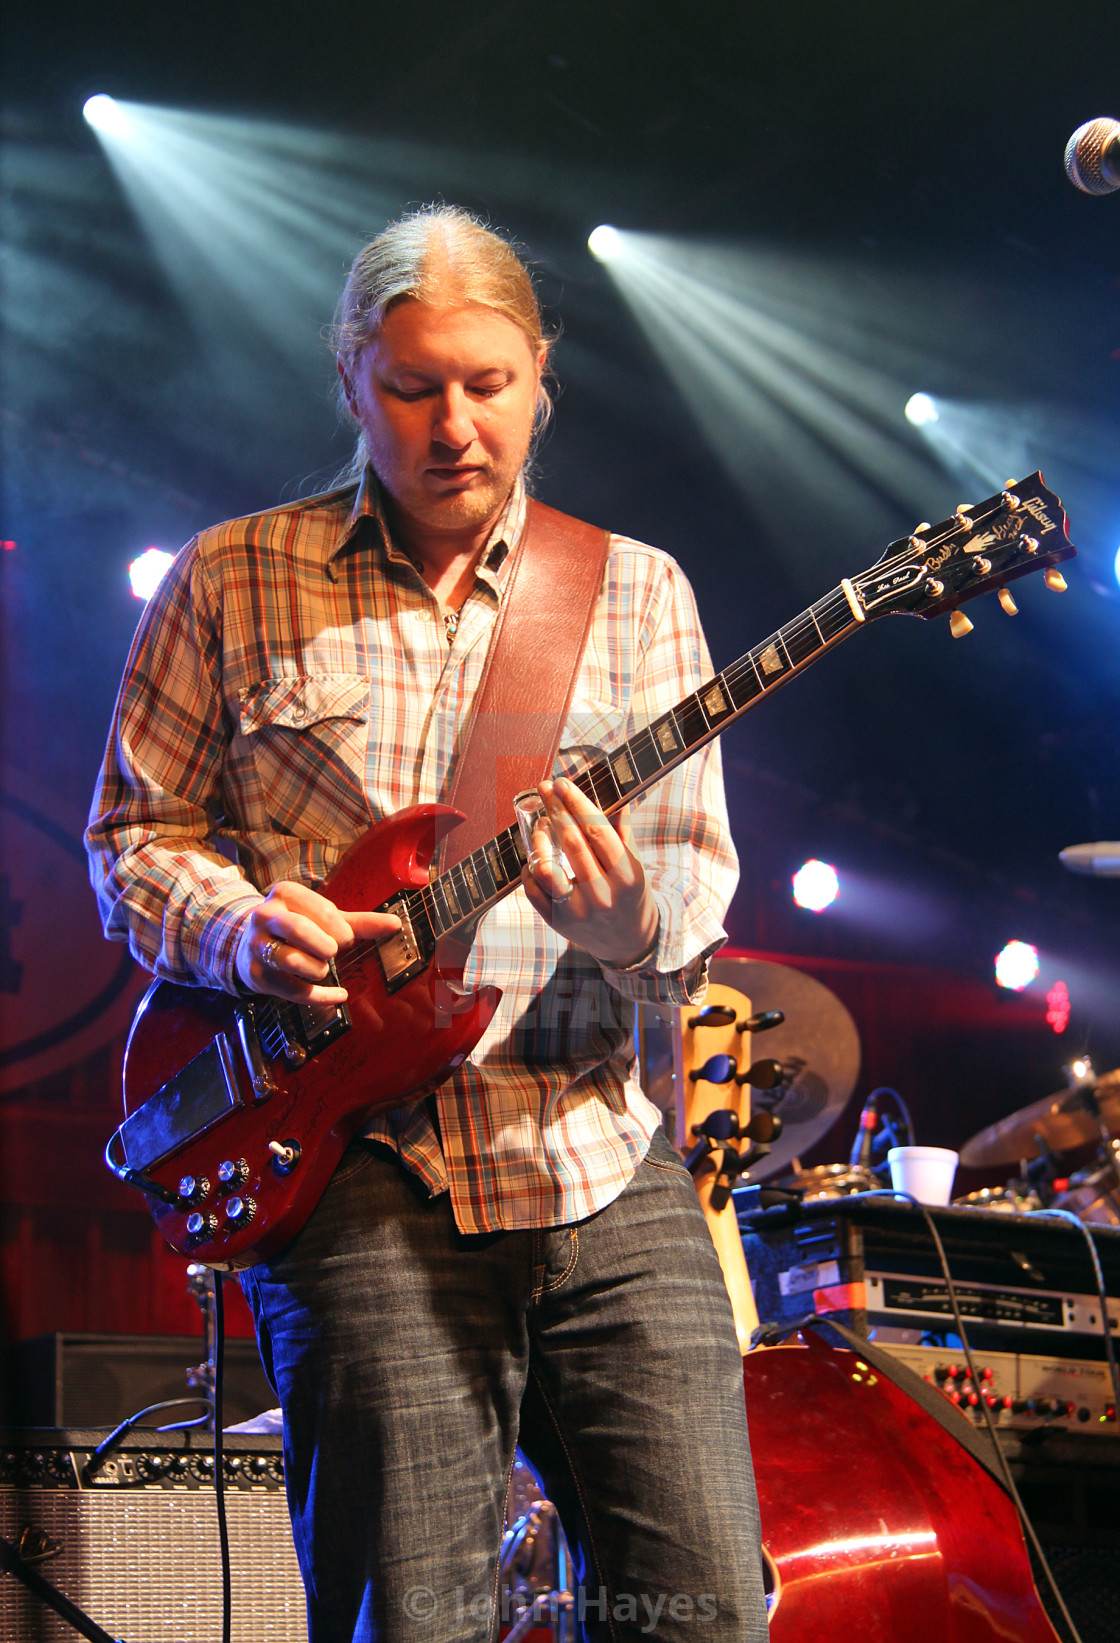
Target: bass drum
<point x="876" y="1523"/>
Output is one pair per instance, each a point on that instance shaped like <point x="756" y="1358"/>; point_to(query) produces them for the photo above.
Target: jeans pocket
<point x="663" y="1155"/>
<point x="357" y="1157"/>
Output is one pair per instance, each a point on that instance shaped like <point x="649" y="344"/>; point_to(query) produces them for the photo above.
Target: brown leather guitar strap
<point x="529" y="675"/>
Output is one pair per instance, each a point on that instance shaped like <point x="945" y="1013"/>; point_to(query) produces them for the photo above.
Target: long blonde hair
<point x="437" y="254"/>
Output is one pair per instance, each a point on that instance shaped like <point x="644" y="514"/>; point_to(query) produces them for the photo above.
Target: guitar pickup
<point x="403" y="954"/>
<point x="296" y="1032"/>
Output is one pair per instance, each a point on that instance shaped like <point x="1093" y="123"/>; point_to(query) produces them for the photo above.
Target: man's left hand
<point x="606" y="906"/>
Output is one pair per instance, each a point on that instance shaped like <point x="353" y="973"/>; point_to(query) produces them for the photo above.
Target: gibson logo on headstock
<point x="1003" y="531"/>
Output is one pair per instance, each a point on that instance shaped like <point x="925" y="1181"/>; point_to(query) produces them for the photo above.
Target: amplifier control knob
<point x="233" y="1172"/>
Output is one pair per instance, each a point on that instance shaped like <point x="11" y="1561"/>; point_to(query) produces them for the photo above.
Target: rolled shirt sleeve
<point x="161" y="882"/>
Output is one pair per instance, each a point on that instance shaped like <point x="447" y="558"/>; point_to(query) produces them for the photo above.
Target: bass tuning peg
<point x="712" y="1015"/>
<point x="718" y="1069"/>
<point x="761" y="1021"/>
<point x="1008" y="602"/>
<point x="1054" y="580"/>
<point x="959" y="624"/>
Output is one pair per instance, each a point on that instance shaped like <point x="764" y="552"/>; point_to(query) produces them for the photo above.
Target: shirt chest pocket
<point x="307" y="735"/>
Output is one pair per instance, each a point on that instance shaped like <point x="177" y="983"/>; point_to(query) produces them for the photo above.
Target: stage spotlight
<point x="147" y="571"/>
<point x="815" y="886"/>
<point x="605" y="242"/>
<point x="1058" y="1007"/>
<point x="1016" y="965"/>
<point x="105" y="114"/>
<point x="920" y="409"/>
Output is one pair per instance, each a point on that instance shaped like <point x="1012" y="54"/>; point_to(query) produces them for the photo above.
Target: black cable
<point x="1001" y="1458"/>
<point x="107" y="1445"/>
<point x="1102" y="1293"/>
<point x="219" y="1473"/>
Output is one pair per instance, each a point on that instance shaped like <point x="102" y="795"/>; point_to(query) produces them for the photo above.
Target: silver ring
<point x="567" y="893"/>
<point x="268" y="953"/>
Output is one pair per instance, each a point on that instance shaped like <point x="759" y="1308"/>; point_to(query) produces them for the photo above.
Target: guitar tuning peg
<point x="959" y="624"/>
<point x="1054" y="580"/>
<point x="1008" y="602"/>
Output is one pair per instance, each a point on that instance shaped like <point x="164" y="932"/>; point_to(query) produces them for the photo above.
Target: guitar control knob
<point x="233" y="1172"/>
<point x="193" y="1189"/>
<point x="202" y="1227"/>
<point x="241" y="1210"/>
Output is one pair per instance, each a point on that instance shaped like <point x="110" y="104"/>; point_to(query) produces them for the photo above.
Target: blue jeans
<point x="411" y="1360"/>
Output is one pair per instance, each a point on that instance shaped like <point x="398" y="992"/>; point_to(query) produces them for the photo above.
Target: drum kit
<point x="818" y="1048"/>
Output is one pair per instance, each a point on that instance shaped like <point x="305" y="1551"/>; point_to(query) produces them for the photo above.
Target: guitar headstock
<point x="1021" y="529"/>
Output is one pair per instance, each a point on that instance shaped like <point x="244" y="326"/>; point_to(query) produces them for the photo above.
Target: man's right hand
<point x="291" y="935"/>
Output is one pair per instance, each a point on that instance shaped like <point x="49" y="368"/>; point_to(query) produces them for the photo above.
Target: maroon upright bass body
<point x="238" y="1109"/>
<point x="877" y="1523"/>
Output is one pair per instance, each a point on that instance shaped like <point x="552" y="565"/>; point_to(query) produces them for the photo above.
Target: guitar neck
<point x="482" y="879"/>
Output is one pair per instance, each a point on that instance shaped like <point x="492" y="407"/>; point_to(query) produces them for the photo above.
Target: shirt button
<point x="423" y="615"/>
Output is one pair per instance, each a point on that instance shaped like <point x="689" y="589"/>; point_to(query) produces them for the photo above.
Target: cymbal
<point x="1061" y="1120"/>
<point x="817" y="1045"/>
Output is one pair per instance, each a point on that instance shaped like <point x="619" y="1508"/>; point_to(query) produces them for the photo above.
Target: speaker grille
<point x="143" y="1562"/>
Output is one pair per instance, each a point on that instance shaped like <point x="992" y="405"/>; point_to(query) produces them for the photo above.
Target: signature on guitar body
<point x="238" y="1109"/>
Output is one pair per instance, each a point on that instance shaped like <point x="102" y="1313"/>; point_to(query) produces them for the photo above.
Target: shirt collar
<point x="369" y="504"/>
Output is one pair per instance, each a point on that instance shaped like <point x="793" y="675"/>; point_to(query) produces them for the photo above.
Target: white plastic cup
<point x="926" y="1173"/>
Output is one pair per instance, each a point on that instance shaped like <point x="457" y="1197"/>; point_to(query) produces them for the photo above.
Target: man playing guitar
<point x="519" y="1258"/>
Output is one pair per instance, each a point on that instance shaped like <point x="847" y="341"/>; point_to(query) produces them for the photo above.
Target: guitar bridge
<point x="403" y="954"/>
<point x="296" y="1032"/>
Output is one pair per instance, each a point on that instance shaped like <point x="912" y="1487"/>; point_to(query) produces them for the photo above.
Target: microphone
<point x="1102" y="859"/>
<point x="861" y="1146"/>
<point x="1093" y="160"/>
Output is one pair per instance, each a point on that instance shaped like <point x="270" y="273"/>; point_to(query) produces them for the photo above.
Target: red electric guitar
<point x="239" y="1109"/>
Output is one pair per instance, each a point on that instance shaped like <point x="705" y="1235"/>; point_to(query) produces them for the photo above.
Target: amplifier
<point x="137" y="1547"/>
<point x="98" y="1380"/>
<point x="1024" y="1284"/>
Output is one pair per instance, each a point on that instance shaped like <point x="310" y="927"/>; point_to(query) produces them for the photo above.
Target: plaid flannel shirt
<point x="290" y="684"/>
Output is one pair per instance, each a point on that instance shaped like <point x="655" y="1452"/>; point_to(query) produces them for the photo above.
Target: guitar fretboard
<point x="494" y="869"/>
